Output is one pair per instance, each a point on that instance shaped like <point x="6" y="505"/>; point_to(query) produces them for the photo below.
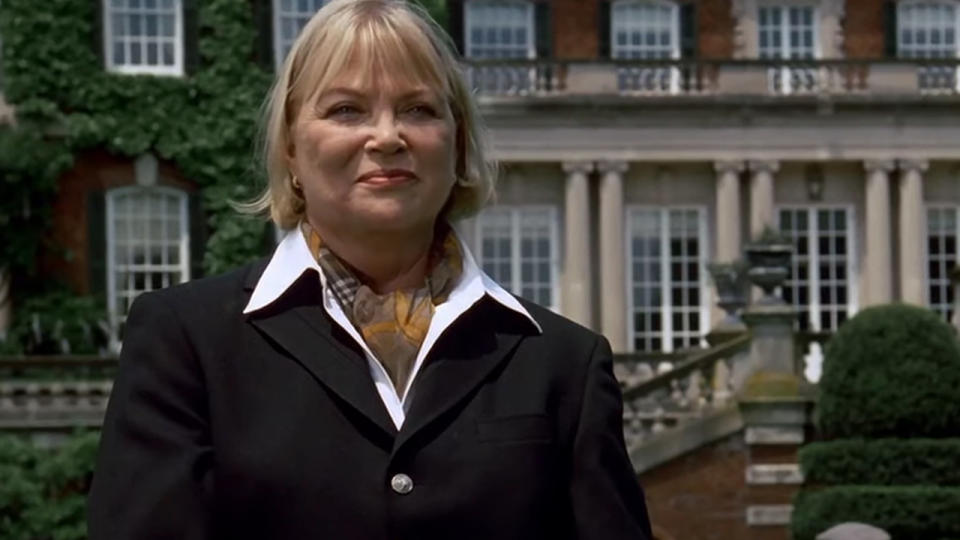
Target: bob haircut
<point x="379" y="37"/>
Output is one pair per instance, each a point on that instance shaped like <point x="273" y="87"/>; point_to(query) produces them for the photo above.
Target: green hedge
<point x="882" y="462"/>
<point x="891" y="371"/>
<point x="906" y="512"/>
<point x="43" y="491"/>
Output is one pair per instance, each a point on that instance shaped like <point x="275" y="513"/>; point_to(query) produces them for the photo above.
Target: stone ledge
<point x="774" y="435"/>
<point x="685" y="437"/>
<point x="774" y="474"/>
<point x="769" y="514"/>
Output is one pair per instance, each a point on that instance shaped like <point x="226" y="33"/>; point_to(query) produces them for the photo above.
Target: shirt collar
<point x="292" y="258"/>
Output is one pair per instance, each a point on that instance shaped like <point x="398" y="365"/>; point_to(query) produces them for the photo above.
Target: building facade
<point x="643" y="139"/>
<point x="640" y="140"/>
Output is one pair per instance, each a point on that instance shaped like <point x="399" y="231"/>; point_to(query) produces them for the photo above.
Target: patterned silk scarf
<point x="392" y="324"/>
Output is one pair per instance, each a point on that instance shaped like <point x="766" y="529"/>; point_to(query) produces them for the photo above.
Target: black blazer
<point x="268" y="426"/>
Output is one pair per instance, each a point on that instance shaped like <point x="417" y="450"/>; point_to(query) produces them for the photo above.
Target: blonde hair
<point x="377" y="34"/>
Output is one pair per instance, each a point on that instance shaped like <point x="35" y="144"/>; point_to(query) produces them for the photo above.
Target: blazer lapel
<point x="470" y="350"/>
<point x="298" y="324"/>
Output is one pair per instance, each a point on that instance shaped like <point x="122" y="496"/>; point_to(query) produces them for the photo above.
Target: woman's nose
<point x="386" y="136"/>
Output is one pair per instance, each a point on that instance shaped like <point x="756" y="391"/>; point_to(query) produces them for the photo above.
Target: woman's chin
<point x="394" y="218"/>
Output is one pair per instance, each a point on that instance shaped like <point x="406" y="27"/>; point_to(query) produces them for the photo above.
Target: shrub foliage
<point x="891" y="371"/>
<point x="909" y="512"/>
<point x="882" y="462"/>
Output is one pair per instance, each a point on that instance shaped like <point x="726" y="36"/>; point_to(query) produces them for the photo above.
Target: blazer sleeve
<point x="153" y="474"/>
<point x="608" y="503"/>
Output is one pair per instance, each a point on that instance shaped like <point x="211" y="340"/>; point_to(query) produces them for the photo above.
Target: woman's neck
<point x="383" y="261"/>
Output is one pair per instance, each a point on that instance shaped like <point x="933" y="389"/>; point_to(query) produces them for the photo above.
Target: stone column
<point x="912" y="221"/>
<point x="761" y="194"/>
<point x="878" y="260"/>
<point x="729" y="243"/>
<point x="613" y="288"/>
<point x="575" y="301"/>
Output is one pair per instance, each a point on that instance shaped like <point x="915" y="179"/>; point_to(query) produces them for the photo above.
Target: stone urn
<point x="730" y="279"/>
<point x="769" y="261"/>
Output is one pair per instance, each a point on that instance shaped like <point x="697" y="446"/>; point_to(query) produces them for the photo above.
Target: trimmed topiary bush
<point x="891" y="371"/>
<point x="882" y="462"/>
<point x="907" y="512"/>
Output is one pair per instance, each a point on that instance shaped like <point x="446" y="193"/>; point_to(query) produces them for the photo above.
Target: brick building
<point x="640" y="140"/>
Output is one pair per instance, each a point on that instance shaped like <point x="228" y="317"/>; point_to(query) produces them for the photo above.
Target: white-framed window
<point x="668" y="301"/>
<point x="517" y="246"/>
<point x="148" y="245"/>
<point x="789" y="32"/>
<point x="821" y="283"/>
<point x="943" y="230"/>
<point x="143" y="36"/>
<point x="928" y="29"/>
<point x="648" y="30"/>
<point x="500" y="29"/>
<point x="289" y="18"/>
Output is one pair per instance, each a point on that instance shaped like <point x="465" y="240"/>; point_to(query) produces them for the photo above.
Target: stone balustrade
<point x="702" y="77"/>
<point x="703" y="382"/>
<point x="45" y="393"/>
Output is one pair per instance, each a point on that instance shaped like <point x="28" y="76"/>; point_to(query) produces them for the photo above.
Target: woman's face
<point x="374" y="158"/>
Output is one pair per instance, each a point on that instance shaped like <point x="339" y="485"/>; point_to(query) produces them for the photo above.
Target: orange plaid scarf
<point x="394" y="324"/>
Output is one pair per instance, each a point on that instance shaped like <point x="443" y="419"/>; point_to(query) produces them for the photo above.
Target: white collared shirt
<point x="292" y="258"/>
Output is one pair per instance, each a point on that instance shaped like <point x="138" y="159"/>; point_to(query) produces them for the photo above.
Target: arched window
<point x="148" y="245"/>
<point x="143" y="36"/>
<point x="789" y="32"/>
<point x="646" y="30"/>
<point x="289" y="18"/>
<point x="928" y="29"/>
<point x="496" y="29"/>
<point x="499" y="29"/>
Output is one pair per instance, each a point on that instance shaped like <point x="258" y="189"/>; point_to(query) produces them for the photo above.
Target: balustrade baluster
<point x="658" y="425"/>
<point x="694" y="394"/>
<point x="722" y="383"/>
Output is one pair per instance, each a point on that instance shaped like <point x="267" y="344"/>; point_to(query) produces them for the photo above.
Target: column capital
<point x="729" y="166"/>
<point x="583" y="167"/>
<point x="612" y="166"/>
<point x="764" y="165"/>
<point x="879" y="165"/>
<point x="913" y="165"/>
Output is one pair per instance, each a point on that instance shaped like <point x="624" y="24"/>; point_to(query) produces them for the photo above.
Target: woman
<point x="368" y="381"/>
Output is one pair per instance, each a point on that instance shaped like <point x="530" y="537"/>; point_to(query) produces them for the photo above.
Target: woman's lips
<point x="387" y="178"/>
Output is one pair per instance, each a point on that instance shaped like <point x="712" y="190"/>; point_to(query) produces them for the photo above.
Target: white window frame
<point x="176" y="70"/>
<point x="666" y="339"/>
<point x="280" y="46"/>
<point x="785" y="75"/>
<point x="955" y="208"/>
<point x="813" y="254"/>
<point x="468" y="45"/>
<point x="111" y="243"/>
<point x="516" y="213"/>
<point x="913" y="51"/>
<point x="648" y="79"/>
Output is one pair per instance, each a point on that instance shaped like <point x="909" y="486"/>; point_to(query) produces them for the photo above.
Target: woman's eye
<point x="340" y="110"/>
<point x="422" y="110"/>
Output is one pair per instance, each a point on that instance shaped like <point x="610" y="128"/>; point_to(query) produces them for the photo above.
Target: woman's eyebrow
<point x="353" y="92"/>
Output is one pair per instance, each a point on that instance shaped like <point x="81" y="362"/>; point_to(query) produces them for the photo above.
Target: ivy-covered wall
<point x="204" y="123"/>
